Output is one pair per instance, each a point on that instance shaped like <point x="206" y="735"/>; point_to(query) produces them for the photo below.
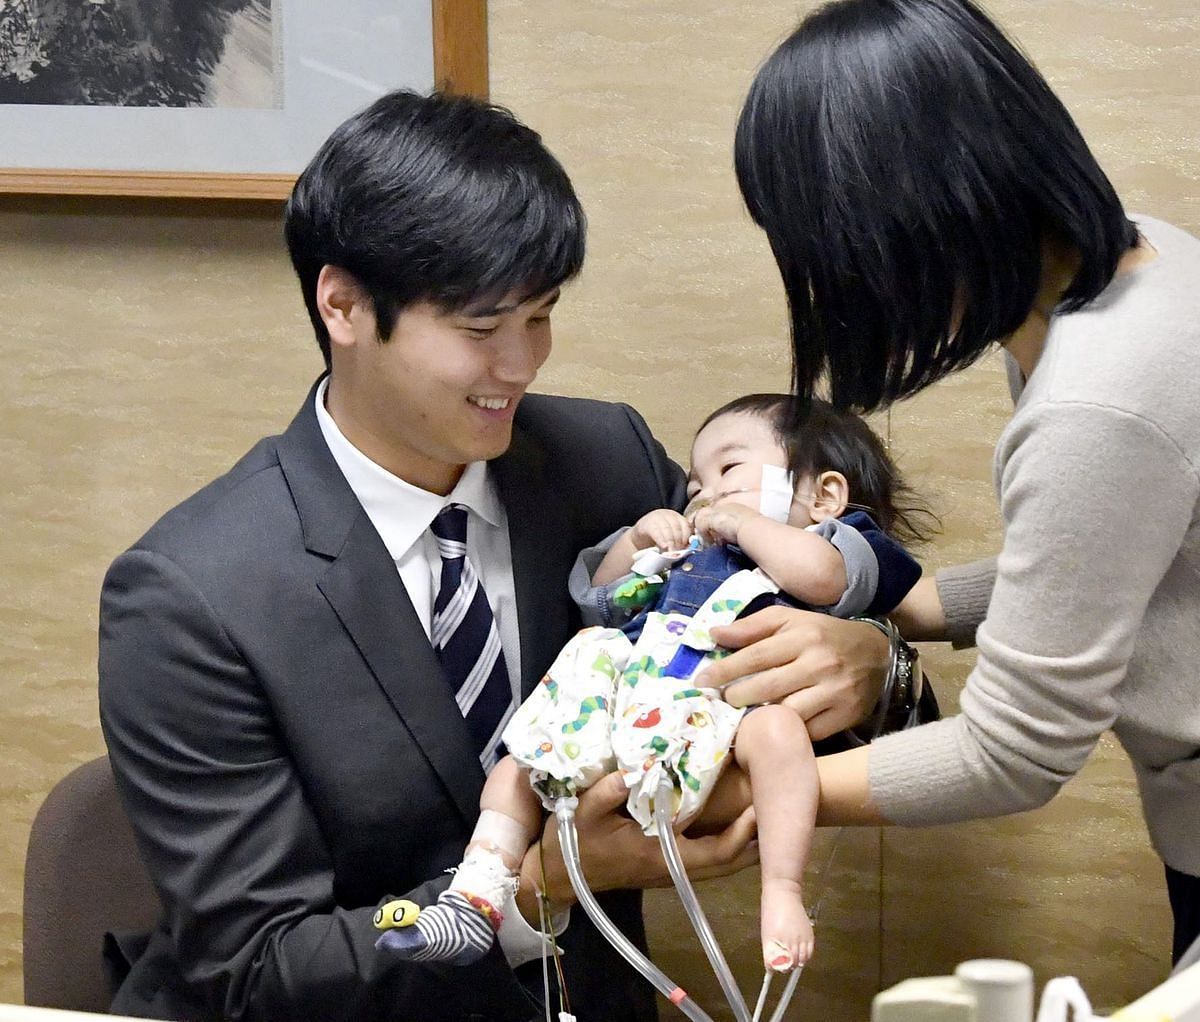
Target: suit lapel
<point x="366" y="594"/>
<point x="542" y="552"/>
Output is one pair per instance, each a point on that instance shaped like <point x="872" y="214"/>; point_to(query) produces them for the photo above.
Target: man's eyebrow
<point x="500" y="310"/>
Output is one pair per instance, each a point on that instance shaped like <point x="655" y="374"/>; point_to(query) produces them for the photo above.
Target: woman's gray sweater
<point x="1089" y="619"/>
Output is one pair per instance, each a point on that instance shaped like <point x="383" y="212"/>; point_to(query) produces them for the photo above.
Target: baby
<point x="800" y="513"/>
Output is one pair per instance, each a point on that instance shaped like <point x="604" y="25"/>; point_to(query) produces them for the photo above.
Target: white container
<point x="1003" y="990"/>
<point x="927" y="999"/>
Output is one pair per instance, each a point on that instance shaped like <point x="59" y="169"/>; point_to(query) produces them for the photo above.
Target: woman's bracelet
<point x="904" y="680"/>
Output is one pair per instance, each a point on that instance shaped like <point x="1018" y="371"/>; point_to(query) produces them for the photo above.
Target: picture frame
<point x="329" y="68"/>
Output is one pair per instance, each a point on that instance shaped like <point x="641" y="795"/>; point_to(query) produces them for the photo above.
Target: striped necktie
<point x="467" y="641"/>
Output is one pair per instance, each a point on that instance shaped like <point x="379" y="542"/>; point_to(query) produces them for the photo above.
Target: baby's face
<point x="728" y="456"/>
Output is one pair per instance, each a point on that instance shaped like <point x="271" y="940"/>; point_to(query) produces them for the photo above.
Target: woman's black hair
<point x="819" y="438"/>
<point x="907" y="163"/>
<point x="436" y="198"/>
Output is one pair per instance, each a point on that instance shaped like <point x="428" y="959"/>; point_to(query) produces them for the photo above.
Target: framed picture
<point x="209" y="98"/>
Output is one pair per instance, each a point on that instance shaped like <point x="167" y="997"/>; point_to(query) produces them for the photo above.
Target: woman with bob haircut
<point x="927" y="197"/>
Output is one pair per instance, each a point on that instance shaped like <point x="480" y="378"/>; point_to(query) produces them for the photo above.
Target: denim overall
<point x="694" y="579"/>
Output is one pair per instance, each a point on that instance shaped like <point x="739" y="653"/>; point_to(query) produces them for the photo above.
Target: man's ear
<point x="831" y="494"/>
<point x="341" y="303"/>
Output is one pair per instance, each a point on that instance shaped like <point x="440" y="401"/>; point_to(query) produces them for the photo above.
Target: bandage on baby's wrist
<point x="500" y="833"/>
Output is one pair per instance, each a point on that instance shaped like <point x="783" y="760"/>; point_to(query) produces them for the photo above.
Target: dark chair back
<point x="83" y="878"/>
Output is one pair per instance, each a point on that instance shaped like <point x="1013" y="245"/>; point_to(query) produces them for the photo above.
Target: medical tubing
<point x="785" y="998"/>
<point x="663" y="801"/>
<point x="762" y="995"/>
<point x="564" y="812"/>
<point x="544" y="925"/>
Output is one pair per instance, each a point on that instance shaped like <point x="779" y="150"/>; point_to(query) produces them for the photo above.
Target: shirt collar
<point x="400" y="511"/>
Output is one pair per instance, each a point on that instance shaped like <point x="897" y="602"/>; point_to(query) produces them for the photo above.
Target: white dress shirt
<point x="402" y="514"/>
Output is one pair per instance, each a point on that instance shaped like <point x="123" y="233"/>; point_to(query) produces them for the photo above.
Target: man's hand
<point x="664" y="528"/>
<point x="616" y="854"/>
<point x="830" y="671"/>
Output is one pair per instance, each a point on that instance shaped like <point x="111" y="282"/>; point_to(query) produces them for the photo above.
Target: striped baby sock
<point x="461" y="927"/>
<point x="452" y="931"/>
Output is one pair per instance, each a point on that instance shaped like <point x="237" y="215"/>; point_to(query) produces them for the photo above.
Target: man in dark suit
<point x="284" y="735"/>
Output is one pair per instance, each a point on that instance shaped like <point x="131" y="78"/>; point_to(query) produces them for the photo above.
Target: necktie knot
<point x="450" y="530"/>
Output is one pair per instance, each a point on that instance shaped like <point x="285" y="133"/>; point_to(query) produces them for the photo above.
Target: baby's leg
<point x="729" y="799"/>
<point x="460" y="928"/>
<point x="774" y="748"/>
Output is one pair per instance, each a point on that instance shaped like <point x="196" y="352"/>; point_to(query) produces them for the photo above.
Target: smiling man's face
<point x="442" y="391"/>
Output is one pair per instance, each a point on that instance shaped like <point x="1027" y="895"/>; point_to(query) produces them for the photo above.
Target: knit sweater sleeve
<point x="965" y="591"/>
<point x="1095" y="503"/>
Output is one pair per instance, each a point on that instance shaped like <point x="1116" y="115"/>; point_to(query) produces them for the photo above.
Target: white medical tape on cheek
<point x="775" y="499"/>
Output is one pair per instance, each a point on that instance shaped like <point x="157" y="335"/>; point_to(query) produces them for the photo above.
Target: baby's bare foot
<point x="787" y="933"/>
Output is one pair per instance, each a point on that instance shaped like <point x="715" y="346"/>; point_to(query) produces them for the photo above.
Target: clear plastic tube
<point x="663" y="800"/>
<point x="786" y="998"/>
<point x="762" y="996"/>
<point x="544" y="924"/>
<point x="564" y="811"/>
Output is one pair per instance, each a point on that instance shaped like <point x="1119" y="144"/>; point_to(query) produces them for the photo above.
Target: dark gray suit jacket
<point x="289" y="752"/>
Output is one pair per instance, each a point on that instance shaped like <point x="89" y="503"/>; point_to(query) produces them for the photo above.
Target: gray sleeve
<point x="595" y="602"/>
<point x="1070" y="597"/>
<point x="965" y="591"/>
<point x="1016" y="378"/>
<point x="862" y="567"/>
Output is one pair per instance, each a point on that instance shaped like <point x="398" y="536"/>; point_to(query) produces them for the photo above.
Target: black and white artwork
<point x="173" y="91"/>
<point x="141" y="53"/>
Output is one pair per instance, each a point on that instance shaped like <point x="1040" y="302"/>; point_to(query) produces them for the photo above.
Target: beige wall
<point x="147" y="345"/>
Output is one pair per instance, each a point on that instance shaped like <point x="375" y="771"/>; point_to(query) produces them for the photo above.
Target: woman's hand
<point x="830" y="671"/>
<point x="616" y="854"/>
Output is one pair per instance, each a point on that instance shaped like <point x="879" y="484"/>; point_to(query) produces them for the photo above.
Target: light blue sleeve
<point x="595" y="602"/>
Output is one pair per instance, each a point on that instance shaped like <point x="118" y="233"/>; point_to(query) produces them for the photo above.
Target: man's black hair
<point x="906" y="162"/>
<point x="820" y="438"/>
<point x="438" y="198"/>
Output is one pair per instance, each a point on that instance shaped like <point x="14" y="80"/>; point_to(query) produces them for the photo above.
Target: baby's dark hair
<point x="828" y="439"/>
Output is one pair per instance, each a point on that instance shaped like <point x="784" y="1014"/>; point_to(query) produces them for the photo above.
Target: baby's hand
<point x="664" y="528"/>
<point x="719" y="523"/>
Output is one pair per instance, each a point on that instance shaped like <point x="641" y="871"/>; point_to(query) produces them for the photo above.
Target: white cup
<point x="1003" y="990"/>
